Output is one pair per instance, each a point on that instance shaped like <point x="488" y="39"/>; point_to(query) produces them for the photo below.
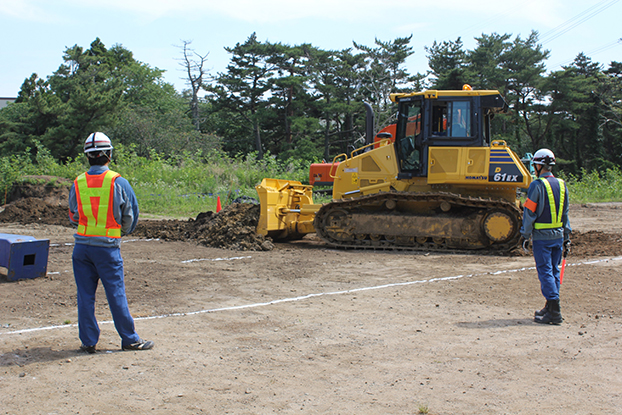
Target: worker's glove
<point x="525" y="244"/>
<point x="566" y="248"/>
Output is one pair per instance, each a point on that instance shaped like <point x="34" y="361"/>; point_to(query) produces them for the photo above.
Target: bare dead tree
<point x="194" y="66"/>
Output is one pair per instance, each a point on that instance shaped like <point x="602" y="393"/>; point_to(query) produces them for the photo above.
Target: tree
<point x="335" y="84"/>
<point x="447" y="62"/>
<point x="13" y="122"/>
<point x="577" y="94"/>
<point x="610" y="122"/>
<point x="484" y="69"/>
<point x="240" y="91"/>
<point x="526" y="90"/>
<point x="27" y="119"/>
<point x="79" y="97"/>
<point x="193" y="64"/>
<point x="95" y="89"/>
<point x="90" y="88"/>
<point x="289" y="97"/>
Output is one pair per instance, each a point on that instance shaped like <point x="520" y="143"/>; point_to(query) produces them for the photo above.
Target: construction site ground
<point x="252" y="327"/>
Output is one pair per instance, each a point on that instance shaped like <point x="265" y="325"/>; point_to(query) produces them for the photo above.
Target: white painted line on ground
<point x="215" y="259"/>
<point x="305" y="297"/>
<point x="140" y="240"/>
<point x="129" y="240"/>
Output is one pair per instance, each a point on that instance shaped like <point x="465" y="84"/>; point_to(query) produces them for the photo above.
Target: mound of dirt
<point x="231" y="228"/>
<point x="51" y="189"/>
<point x="34" y="210"/>
<point x="234" y="228"/>
<point x="595" y="243"/>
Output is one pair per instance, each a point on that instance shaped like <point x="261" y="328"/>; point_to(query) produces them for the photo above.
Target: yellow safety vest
<point x="94" y="196"/>
<point x="556" y="215"/>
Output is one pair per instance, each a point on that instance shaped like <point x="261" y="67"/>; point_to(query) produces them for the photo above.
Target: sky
<point x="35" y="33"/>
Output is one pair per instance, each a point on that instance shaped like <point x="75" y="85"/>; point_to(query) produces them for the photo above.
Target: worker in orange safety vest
<point x="103" y="207"/>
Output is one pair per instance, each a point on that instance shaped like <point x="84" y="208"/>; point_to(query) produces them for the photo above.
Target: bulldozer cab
<point x="438" y="119"/>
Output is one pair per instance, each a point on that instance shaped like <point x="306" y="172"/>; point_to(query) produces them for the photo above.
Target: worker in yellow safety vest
<point x="103" y="207"/>
<point x="545" y="221"/>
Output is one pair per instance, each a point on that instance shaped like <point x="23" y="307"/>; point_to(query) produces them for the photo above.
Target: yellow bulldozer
<point x="441" y="183"/>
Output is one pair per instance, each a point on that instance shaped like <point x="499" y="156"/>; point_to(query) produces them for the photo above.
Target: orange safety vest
<point x="94" y="196"/>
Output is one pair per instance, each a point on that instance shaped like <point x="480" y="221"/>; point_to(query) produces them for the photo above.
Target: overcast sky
<point x="36" y="32"/>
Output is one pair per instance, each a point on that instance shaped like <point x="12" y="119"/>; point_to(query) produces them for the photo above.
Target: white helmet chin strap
<point x="97" y="154"/>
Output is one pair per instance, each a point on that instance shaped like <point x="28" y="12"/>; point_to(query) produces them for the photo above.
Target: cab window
<point x="451" y="119"/>
<point x="409" y="143"/>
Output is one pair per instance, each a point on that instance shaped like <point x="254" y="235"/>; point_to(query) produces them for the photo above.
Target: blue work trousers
<point x="91" y="264"/>
<point x="548" y="255"/>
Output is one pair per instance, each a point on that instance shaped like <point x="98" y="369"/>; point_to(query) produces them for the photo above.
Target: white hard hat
<point x="97" y="142"/>
<point x="544" y="156"/>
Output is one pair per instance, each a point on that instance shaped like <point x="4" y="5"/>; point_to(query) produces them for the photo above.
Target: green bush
<point x="595" y="187"/>
<point x="13" y="168"/>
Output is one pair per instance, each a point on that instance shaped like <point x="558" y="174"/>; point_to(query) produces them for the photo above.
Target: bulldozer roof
<point x="434" y="93"/>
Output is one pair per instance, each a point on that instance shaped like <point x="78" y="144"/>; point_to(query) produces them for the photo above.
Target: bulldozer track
<point x="358" y="238"/>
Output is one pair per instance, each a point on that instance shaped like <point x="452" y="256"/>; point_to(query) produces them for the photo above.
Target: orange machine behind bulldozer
<point x="439" y="182"/>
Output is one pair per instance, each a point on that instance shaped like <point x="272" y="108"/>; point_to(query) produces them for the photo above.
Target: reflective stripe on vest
<point x="94" y="196"/>
<point x="556" y="215"/>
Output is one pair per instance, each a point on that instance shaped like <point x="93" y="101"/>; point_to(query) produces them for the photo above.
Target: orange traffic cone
<point x="218" y="207"/>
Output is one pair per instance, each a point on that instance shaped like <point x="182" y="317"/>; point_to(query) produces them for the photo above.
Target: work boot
<point x="88" y="349"/>
<point x="139" y="345"/>
<point x="552" y="315"/>
<point x="542" y="312"/>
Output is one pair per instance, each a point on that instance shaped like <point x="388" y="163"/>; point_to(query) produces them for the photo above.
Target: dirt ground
<point x="252" y="327"/>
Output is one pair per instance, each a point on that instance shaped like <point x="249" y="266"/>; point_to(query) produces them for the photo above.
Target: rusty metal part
<point x="435" y="221"/>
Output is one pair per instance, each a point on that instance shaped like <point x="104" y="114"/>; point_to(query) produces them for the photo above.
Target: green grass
<point x="594" y="187"/>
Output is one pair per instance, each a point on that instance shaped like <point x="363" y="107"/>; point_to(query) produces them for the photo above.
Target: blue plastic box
<point x="24" y="256"/>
